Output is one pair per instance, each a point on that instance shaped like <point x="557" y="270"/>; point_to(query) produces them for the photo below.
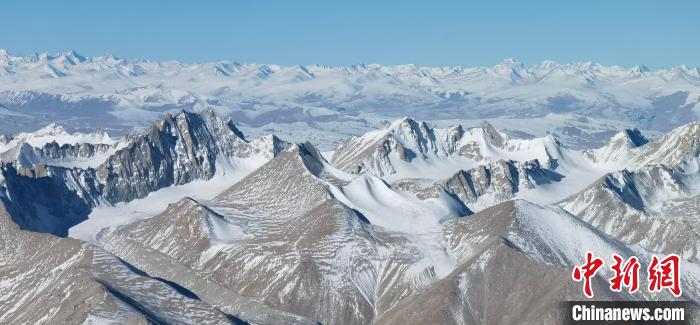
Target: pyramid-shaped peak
<point x="309" y="156"/>
<point x="641" y="68"/>
<point x="72" y="57"/>
<point x="492" y="133"/>
<point x="409" y="125"/>
<point x="635" y="137"/>
<point x="101" y="132"/>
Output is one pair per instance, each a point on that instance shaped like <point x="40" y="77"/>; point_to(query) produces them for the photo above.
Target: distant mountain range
<point x="188" y="221"/>
<point x="583" y="104"/>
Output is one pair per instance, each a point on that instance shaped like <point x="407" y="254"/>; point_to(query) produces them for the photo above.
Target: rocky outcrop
<point x="631" y="207"/>
<point x="404" y="143"/>
<point x="406" y="138"/>
<point x="47" y="198"/>
<point x="501" y="180"/>
<point x="175" y="150"/>
<point x="82" y="155"/>
<point x="487" y="184"/>
<point x="630" y="150"/>
<point x="292" y="245"/>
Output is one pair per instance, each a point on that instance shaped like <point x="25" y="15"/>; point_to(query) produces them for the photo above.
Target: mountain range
<point x="189" y="221"/>
<point x="582" y="104"/>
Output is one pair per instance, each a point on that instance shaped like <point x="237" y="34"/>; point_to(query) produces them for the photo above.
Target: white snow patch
<point x="112" y="216"/>
<point x="392" y="209"/>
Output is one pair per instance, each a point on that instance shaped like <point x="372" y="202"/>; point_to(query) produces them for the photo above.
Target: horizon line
<point x="506" y="60"/>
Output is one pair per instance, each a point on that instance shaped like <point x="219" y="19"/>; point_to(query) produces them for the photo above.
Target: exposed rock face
<point x="501" y="180"/>
<point x="407" y="138"/>
<point x="619" y="149"/>
<point x="54" y="145"/>
<point x="629" y="149"/>
<point x="512" y="269"/>
<point x="298" y="241"/>
<point x="405" y="142"/>
<point x="176" y="150"/>
<point x="680" y="147"/>
<point x="68" y="155"/>
<point x="305" y="252"/>
<point x="493" y="135"/>
<point x="183" y="237"/>
<point x="487" y="184"/>
<point x="499" y="287"/>
<point x="47" y="198"/>
<point x="512" y="262"/>
<point x="652" y="203"/>
<point x="630" y="206"/>
<point x="289" y="244"/>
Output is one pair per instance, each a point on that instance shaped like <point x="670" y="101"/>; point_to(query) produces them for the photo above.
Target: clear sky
<point x="468" y="33"/>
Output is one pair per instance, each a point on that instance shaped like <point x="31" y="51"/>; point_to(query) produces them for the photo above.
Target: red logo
<point x="627" y="274"/>
<point x="663" y="274"/>
<point x="586" y="272"/>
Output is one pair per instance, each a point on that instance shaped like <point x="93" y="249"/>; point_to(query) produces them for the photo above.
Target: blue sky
<point x="468" y="33"/>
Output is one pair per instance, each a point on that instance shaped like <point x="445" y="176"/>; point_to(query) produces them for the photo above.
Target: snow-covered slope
<point x="175" y="151"/>
<point x="480" y="165"/>
<point x="484" y="166"/>
<point x="303" y="240"/>
<point x="54" y="145"/>
<point x="636" y="207"/>
<point x="629" y="149"/>
<point x="653" y="201"/>
<point x="620" y="149"/>
<point x="680" y="147"/>
<point x="49" y="280"/>
<point x="483" y="186"/>
<point x="409" y="223"/>
<point x="331" y="103"/>
<point x="408" y="149"/>
<point x="328" y="256"/>
<point x="514" y="267"/>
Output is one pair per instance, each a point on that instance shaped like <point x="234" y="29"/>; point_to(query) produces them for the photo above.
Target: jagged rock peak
<point x="185" y="122"/>
<point x="309" y="156"/>
<point x="492" y="134"/>
<point x="632" y="136"/>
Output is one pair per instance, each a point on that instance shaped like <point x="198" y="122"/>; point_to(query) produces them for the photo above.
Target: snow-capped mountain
<point x="176" y="150"/>
<point x="636" y="207"/>
<point x="54" y="145"/>
<point x="581" y="103"/>
<point x="518" y="233"/>
<point x="483" y="162"/>
<point x="409" y="223"/>
<point x="487" y="184"/>
<point x="408" y="149"/>
<point x="512" y="268"/>
<point x="295" y="214"/>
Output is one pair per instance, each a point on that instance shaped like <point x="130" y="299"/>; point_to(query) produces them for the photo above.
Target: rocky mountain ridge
<point x="176" y="150"/>
<point x="409" y="223"/>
